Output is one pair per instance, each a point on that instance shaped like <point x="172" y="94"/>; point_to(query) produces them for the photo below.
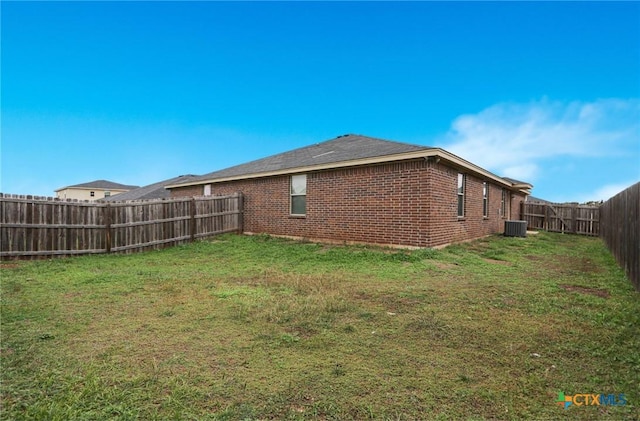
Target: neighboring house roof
<point x="344" y="151"/>
<point x="100" y="184"/>
<point x="152" y="191"/>
<point x="532" y="199"/>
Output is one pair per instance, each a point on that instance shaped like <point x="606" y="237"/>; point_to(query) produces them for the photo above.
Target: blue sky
<point x="138" y="92"/>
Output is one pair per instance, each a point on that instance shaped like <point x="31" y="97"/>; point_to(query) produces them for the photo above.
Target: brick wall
<point x="445" y="225"/>
<point x="409" y="203"/>
<point x="516" y="205"/>
<point x="187" y="191"/>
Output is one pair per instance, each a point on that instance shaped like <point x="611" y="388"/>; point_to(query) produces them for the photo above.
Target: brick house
<point x="360" y="189"/>
<point x="94" y="190"/>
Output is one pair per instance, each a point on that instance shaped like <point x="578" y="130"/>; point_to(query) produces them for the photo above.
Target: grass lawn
<point x="262" y="328"/>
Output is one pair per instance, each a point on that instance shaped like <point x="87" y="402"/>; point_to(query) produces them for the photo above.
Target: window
<point x="485" y="199"/>
<point x="504" y="203"/>
<point x="461" y="188"/>
<point x="299" y="194"/>
<point x="92" y="194"/>
<point x="107" y="194"/>
<point x="207" y="190"/>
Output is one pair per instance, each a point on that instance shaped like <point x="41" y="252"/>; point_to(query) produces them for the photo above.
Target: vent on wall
<point x="515" y="228"/>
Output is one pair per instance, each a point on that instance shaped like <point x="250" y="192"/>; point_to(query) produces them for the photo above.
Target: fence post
<point x="240" y="205"/>
<point x="545" y="222"/>
<point x="107" y="223"/>
<point x="193" y="219"/>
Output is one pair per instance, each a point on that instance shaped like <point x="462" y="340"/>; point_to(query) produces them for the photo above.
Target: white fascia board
<point x="470" y="167"/>
<point x="426" y="153"/>
<point x="319" y="167"/>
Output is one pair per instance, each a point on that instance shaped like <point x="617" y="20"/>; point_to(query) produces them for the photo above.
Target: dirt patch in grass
<point x="567" y="263"/>
<point x="584" y="290"/>
<point x="498" y="262"/>
<point x="443" y="265"/>
<point x="588" y="265"/>
<point x="9" y="265"/>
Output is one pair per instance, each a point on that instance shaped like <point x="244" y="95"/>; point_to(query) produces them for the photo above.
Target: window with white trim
<point x="299" y="194"/>
<point x="485" y="199"/>
<point x="504" y="206"/>
<point x="207" y="190"/>
<point x="461" y="190"/>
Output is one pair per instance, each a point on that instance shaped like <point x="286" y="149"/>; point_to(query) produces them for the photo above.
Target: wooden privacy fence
<point x="41" y="227"/>
<point x="620" y="230"/>
<point x="567" y="218"/>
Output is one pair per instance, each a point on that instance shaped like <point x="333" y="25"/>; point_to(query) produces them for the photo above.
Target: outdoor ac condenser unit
<point x="515" y="228"/>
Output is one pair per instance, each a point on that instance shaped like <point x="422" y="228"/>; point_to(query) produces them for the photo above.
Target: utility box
<point x="515" y="228"/>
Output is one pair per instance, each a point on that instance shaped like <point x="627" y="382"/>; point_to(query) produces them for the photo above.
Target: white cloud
<point x="514" y="139"/>
<point x="606" y="192"/>
<point x="521" y="172"/>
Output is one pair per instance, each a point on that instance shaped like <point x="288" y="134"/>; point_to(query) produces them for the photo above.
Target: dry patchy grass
<point x="259" y="328"/>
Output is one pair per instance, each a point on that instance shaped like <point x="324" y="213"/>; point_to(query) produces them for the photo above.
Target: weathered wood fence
<point x="43" y="227"/>
<point x="620" y="230"/>
<point x="567" y="218"/>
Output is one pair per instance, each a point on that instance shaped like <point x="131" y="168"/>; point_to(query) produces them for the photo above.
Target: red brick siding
<point x="516" y="205"/>
<point x="408" y="203"/>
<point x="187" y="191"/>
<point x="445" y="226"/>
<point x="383" y="204"/>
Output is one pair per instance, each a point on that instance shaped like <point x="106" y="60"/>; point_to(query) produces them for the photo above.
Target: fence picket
<point x="621" y="230"/>
<point x="44" y="227"/>
<point x="571" y="218"/>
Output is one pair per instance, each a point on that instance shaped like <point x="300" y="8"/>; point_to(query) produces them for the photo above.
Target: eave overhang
<point x="436" y="154"/>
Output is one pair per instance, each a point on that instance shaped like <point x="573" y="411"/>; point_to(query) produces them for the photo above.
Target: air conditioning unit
<point x="515" y="228"/>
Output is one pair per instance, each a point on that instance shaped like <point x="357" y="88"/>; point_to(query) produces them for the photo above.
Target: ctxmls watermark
<point x="591" y="399"/>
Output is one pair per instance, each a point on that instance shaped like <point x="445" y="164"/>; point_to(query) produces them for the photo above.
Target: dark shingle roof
<point x="343" y="151"/>
<point x="532" y="199"/>
<point x="343" y="148"/>
<point x="101" y="184"/>
<point x="514" y="181"/>
<point x="152" y="191"/>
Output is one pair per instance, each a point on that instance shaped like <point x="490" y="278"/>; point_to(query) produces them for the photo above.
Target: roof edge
<point x="464" y="164"/>
<point x="95" y="188"/>
<point x="452" y="159"/>
<point x="318" y="167"/>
